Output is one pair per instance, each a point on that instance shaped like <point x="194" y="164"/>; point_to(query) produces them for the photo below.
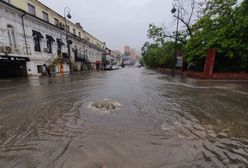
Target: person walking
<point x="48" y="71"/>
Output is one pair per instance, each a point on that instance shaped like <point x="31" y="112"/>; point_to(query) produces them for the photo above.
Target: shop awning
<point x="37" y="34"/>
<point x="60" y="42"/>
<point x="50" y="38"/>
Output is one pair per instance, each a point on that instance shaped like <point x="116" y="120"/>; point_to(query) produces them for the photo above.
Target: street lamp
<point x="67" y="14"/>
<point x="176" y="5"/>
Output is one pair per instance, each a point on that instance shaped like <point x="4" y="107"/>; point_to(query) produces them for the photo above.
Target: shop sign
<point x="9" y="58"/>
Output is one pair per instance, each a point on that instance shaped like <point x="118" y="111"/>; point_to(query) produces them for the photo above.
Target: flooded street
<point x="155" y="122"/>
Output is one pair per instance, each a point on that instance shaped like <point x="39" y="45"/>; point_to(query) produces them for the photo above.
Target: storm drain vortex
<point x="106" y="105"/>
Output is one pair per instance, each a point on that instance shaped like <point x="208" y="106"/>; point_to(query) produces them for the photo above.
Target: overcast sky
<point x="117" y="22"/>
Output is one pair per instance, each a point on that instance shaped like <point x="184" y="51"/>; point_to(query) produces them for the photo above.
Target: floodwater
<point x="160" y="122"/>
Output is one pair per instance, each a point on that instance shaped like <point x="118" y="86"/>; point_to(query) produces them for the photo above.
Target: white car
<point x="108" y="67"/>
<point x="114" y="67"/>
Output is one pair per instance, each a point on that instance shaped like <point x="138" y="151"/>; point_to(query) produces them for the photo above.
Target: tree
<point x="156" y="34"/>
<point x="158" y="56"/>
<point x="220" y="24"/>
<point x="187" y="12"/>
<point x="223" y="26"/>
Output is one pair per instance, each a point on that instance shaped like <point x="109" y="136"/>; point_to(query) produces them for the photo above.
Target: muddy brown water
<point x="162" y="122"/>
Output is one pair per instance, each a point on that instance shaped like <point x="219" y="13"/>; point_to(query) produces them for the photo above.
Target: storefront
<point x="13" y="66"/>
<point x="98" y="65"/>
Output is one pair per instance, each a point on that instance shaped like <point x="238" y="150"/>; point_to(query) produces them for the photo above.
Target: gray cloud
<point x="118" y="22"/>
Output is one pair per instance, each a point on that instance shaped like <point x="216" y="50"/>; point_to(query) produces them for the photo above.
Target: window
<point x="59" y="46"/>
<point x="50" y="41"/>
<point x="37" y="44"/>
<point x="37" y="39"/>
<point x="11" y="36"/>
<point x="31" y="9"/>
<point x="76" y="52"/>
<point x="74" y="31"/>
<point x="56" y="22"/>
<point x="49" y="46"/>
<point x="40" y="68"/>
<point x="68" y="28"/>
<point x="45" y="16"/>
<point x="79" y="34"/>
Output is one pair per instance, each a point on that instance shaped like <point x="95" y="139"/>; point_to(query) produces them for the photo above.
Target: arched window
<point x="11" y="36"/>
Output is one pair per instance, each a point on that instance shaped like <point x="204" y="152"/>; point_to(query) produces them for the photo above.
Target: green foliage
<point x="156" y="33"/>
<point x="159" y="56"/>
<point x="159" y="53"/>
<point x="225" y="27"/>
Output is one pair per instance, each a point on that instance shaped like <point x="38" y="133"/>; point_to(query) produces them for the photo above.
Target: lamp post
<point x="67" y="14"/>
<point x="176" y="6"/>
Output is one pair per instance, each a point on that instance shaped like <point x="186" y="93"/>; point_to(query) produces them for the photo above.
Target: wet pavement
<point x="160" y="122"/>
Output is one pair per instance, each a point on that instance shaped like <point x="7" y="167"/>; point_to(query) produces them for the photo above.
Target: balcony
<point x="81" y="58"/>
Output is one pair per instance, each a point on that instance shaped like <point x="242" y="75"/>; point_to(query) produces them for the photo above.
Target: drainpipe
<point x="25" y="37"/>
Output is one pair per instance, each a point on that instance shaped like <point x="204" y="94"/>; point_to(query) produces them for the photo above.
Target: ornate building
<point x="32" y="34"/>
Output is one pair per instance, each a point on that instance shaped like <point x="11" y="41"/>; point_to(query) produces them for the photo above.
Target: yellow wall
<point x="39" y="8"/>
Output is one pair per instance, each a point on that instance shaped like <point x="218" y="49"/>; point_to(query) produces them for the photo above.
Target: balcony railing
<point x="81" y="58"/>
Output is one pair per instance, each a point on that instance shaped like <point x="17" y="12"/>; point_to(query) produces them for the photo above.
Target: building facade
<point x="119" y="57"/>
<point x="32" y="34"/>
<point x="134" y="56"/>
<point x="127" y="55"/>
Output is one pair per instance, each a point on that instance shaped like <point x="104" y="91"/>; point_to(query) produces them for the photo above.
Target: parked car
<point x="108" y="67"/>
<point x="112" y="67"/>
<point x="115" y="67"/>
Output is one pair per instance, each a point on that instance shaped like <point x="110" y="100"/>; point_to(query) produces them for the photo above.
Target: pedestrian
<point x="47" y="70"/>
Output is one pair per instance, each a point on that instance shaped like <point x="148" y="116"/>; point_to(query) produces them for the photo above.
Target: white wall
<point x="13" y="18"/>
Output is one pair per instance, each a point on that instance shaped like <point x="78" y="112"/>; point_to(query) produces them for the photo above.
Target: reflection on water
<point x="163" y="122"/>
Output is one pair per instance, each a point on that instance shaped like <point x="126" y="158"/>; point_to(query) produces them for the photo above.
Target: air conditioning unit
<point x="7" y="49"/>
<point x="45" y="49"/>
<point x="16" y="50"/>
<point x="1" y="49"/>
